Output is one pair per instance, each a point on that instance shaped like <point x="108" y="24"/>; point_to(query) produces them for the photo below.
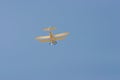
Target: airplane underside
<point x="53" y="43"/>
<point x="52" y="38"/>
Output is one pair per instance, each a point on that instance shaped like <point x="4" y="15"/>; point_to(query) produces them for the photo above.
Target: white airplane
<point x="52" y="38"/>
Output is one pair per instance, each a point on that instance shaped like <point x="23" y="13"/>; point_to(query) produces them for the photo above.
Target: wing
<point x="61" y="36"/>
<point x="43" y="38"/>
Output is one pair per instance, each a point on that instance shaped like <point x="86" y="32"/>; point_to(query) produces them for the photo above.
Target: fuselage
<point x="52" y="39"/>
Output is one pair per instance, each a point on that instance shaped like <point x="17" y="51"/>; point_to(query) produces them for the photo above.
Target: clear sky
<point x="90" y="52"/>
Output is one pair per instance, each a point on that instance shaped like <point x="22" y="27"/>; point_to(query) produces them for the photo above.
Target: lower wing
<point x="61" y="36"/>
<point x="43" y="38"/>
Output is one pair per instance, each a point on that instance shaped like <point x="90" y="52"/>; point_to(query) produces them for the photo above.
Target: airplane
<point x="52" y="38"/>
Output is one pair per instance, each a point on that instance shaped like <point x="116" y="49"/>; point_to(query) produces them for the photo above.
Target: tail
<point x="49" y="29"/>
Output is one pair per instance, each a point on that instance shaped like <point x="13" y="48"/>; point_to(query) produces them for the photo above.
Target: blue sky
<point x="90" y="52"/>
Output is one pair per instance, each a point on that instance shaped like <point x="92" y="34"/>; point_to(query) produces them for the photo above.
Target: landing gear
<point x="53" y="43"/>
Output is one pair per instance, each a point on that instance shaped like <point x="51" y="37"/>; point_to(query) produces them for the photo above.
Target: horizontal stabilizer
<point x="49" y="29"/>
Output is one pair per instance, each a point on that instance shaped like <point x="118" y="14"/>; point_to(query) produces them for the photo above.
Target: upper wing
<point x="43" y="38"/>
<point x="61" y="36"/>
